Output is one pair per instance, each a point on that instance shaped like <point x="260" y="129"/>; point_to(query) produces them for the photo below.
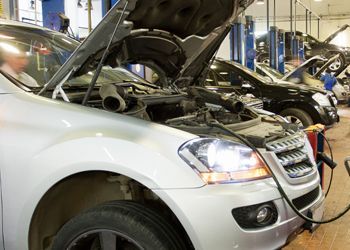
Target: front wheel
<point x="117" y="225"/>
<point x="298" y="117"/>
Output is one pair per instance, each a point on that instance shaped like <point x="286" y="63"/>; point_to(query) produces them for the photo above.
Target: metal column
<point x="281" y="47"/>
<point x="273" y="35"/>
<point x="306" y="20"/>
<point x="237" y="41"/>
<point x="107" y="5"/>
<point x="301" y="54"/>
<point x="295" y="48"/>
<point x="250" y="43"/>
<point x="267" y="15"/>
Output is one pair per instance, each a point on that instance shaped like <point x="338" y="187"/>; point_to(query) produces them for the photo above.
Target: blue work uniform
<point x="329" y="81"/>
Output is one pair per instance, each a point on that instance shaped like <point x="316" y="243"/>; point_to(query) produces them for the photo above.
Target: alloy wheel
<point x="103" y="239"/>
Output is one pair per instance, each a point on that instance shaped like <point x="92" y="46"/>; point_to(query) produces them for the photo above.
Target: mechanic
<point x="329" y="80"/>
<point x="14" y="61"/>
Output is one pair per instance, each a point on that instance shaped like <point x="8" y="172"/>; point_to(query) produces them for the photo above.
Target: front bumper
<point x="206" y="213"/>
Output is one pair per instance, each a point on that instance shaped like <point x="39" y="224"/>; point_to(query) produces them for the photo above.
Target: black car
<point x="300" y="104"/>
<point x="312" y="47"/>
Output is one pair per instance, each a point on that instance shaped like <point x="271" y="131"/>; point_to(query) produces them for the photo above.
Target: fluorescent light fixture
<point x="318" y="0"/>
<point x="260" y="2"/>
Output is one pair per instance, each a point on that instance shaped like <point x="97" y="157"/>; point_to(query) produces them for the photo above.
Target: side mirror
<point x="347" y="164"/>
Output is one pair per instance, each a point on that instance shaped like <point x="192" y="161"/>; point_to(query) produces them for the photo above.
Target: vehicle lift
<point x="237" y="41"/>
<point x="250" y="43"/>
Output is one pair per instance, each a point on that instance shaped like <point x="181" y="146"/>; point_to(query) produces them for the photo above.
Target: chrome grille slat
<point x="286" y="144"/>
<point x="291" y="156"/>
<point x="299" y="170"/>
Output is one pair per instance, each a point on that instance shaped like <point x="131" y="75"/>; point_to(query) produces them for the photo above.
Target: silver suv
<point x="151" y="171"/>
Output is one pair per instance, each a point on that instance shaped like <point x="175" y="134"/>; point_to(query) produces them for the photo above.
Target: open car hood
<point x="172" y="35"/>
<point x="304" y="66"/>
<point x="326" y="65"/>
<point x="333" y="35"/>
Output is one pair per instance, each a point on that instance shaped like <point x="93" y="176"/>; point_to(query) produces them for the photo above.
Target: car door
<point x="223" y="80"/>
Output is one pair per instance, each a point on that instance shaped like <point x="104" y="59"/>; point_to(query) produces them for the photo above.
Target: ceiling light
<point x="260" y="2"/>
<point x="318" y="0"/>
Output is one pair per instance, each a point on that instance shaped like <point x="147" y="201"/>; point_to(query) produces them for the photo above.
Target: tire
<point x="130" y="224"/>
<point x="299" y="114"/>
<point x="339" y="64"/>
<point x="263" y="58"/>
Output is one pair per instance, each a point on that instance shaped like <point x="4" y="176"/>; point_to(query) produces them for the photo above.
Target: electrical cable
<point x="331" y="152"/>
<point x="216" y="124"/>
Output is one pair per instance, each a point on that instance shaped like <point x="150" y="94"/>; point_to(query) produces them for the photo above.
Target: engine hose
<point x="216" y="124"/>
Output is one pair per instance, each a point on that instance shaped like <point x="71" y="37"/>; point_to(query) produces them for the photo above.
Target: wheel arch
<point x="307" y="107"/>
<point x="81" y="191"/>
<point x="59" y="182"/>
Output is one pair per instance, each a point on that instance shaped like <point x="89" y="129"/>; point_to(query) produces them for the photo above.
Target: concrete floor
<point x="335" y="235"/>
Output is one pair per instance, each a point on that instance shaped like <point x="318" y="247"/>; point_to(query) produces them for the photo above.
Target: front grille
<point x="306" y="199"/>
<point x="291" y="155"/>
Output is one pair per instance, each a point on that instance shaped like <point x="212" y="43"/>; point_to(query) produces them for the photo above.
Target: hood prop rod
<point x="103" y="58"/>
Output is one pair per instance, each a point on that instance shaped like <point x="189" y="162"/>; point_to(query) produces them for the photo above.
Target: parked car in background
<point x="301" y="104"/>
<point x="312" y="47"/>
<point x="301" y="75"/>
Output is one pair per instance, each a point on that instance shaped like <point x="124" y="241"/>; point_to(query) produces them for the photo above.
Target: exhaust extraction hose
<point x="111" y="99"/>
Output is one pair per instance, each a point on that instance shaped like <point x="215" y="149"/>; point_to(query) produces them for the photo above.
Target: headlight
<point x="222" y="161"/>
<point x="321" y="99"/>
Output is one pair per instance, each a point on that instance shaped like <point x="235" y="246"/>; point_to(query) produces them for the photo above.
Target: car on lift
<point x="312" y="47"/>
<point x="338" y="93"/>
<point x="300" y="104"/>
<point x="127" y="168"/>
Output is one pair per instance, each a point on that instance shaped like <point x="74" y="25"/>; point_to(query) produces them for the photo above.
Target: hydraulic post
<point x="237" y="41"/>
<point x="273" y="37"/>
<point x="250" y="43"/>
<point x="281" y="51"/>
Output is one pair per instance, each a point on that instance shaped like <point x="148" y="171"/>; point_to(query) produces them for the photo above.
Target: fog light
<point x="263" y="215"/>
<point x="256" y="216"/>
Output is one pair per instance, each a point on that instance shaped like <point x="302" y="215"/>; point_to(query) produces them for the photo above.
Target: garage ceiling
<point x="323" y="8"/>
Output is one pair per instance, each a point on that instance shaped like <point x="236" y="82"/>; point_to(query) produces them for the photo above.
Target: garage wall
<point x="5" y="9"/>
<point x="79" y="16"/>
<point x="27" y="14"/>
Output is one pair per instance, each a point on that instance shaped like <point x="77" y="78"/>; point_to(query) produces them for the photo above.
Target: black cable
<point x="331" y="152"/>
<point x="215" y="123"/>
<point x="330" y="183"/>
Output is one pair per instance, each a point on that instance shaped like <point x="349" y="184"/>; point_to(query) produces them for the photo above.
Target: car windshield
<point x="249" y="72"/>
<point x="271" y="71"/>
<point x="33" y="56"/>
